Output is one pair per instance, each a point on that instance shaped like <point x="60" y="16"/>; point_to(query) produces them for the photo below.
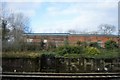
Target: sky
<point x="59" y="16"/>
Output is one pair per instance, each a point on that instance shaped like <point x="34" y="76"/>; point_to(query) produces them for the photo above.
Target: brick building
<point x="59" y="38"/>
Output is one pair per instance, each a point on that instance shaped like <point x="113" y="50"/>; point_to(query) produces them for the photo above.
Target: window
<point x="29" y="40"/>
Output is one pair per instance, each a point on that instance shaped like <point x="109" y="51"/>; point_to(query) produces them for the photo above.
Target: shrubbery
<point x="92" y="51"/>
<point x="82" y="49"/>
<point x="69" y="50"/>
<point x="72" y="55"/>
<point x="110" y="44"/>
<point x="94" y="44"/>
<point x="83" y="44"/>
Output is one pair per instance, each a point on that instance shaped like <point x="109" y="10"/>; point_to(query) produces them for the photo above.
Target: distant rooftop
<point x="66" y="34"/>
<point x="47" y="34"/>
<point x="111" y="35"/>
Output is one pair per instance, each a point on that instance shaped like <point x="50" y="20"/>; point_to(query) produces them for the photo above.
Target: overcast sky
<point x="60" y="16"/>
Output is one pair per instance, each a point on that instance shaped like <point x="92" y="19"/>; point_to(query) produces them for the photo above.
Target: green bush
<point x="69" y="50"/>
<point x="92" y="51"/>
<point x="110" y="44"/>
<point x="94" y="44"/>
<point x="113" y="53"/>
<point x="84" y="44"/>
<point x="78" y="43"/>
<point x="49" y="54"/>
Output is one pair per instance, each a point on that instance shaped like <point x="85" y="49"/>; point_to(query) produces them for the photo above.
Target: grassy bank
<point x="66" y="51"/>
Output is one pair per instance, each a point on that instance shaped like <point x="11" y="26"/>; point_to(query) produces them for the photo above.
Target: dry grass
<point x="23" y="54"/>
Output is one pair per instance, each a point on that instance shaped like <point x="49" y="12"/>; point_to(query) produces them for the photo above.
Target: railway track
<point x="58" y="76"/>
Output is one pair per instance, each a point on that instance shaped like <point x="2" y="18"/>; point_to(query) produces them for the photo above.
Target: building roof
<point x="66" y="34"/>
<point x="109" y="35"/>
<point x="47" y="34"/>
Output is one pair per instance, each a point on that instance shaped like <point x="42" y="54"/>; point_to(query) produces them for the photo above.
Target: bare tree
<point x="18" y="24"/>
<point x="13" y="25"/>
<point x="106" y="28"/>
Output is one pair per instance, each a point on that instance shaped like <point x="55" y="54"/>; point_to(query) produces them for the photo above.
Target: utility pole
<point x="119" y="29"/>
